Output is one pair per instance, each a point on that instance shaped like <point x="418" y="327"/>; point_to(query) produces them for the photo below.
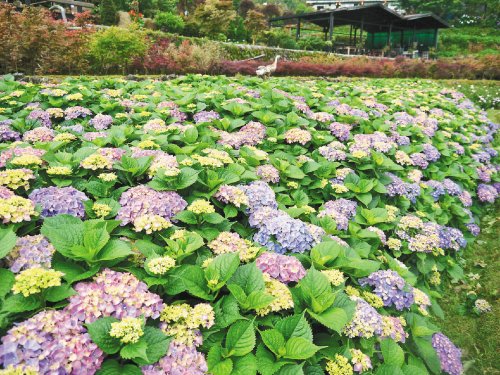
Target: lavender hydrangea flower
<point x="366" y="321"/>
<point x="205" y="116"/>
<point x="51" y="342"/>
<point x="451" y="238"/>
<point x="142" y="200"/>
<point x="72" y="113"/>
<point x="268" y="173"/>
<point x="40" y="134"/>
<point x="42" y="116"/>
<point x="487" y="193"/>
<point x="450" y="357"/>
<point x="419" y="160"/>
<point x="340" y="210"/>
<point x="431" y="153"/>
<point x="55" y="201"/>
<point x="391" y="287"/>
<point x="29" y="252"/>
<point x="283" y="233"/>
<point x="251" y="134"/>
<point x="283" y="268"/>
<point x="101" y="122"/>
<point x="7" y="134"/>
<point x="341" y="131"/>
<point x="113" y="294"/>
<point x="401" y="188"/>
<point x="180" y="360"/>
<point x="259" y="195"/>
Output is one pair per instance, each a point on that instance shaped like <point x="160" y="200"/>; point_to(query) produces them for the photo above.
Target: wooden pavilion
<point x="374" y="29"/>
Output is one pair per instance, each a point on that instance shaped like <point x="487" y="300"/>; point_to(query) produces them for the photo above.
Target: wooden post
<point x="350" y="35"/>
<point x="297" y="32"/>
<point x="436" y="38"/>
<point x="361" y="31"/>
<point x="332" y="25"/>
<point x="389" y="35"/>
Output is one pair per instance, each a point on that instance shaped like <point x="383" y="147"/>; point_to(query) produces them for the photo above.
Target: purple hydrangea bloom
<point x="431" y="152"/>
<point x="205" y="116"/>
<point x="259" y="195"/>
<point x="487" y="193"/>
<point x="251" y="134"/>
<point x="29" y="252"/>
<point x="366" y="321"/>
<point x="51" y="342"/>
<point x="391" y="287"/>
<point x="419" y="160"/>
<point x="473" y="229"/>
<point x="42" y="116"/>
<point x="142" y="200"/>
<point x="451" y="238"/>
<point x="180" y="360"/>
<point x="452" y="188"/>
<point x="283" y="268"/>
<point x="437" y="189"/>
<point x="115" y="294"/>
<point x="7" y="134"/>
<point x="101" y="122"/>
<point x="56" y="201"/>
<point x="401" y="188"/>
<point x="268" y="173"/>
<point x="340" y="210"/>
<point x="77" y="128"/>
<point x="449" y="355"/>
<point x="341" y="131"/>
<point x="72" y="113"/>
<point x="283" y="233"/>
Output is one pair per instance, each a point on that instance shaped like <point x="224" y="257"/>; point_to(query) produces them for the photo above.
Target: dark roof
<point x="374" y="16"/>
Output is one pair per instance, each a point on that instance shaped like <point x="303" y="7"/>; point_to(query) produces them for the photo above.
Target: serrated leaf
<point x="112" y="367"/>
<point x="17" y="303"/>
<point x="222" y="267"/>
<point x="291" y="370"/>
<point x="249" y="278"/>
<point x="7" y="241"/>
<point x="246" y="365"/>
<point x="227" y="312"/>
<point x="114" y="249"/>
<point x="316" y="290"/>
<point x="266" y="362"/>
<point x="135" y="351"/>
<point x="240" y="339"/>
<point x="392" y="353"/>
<point x="295" y="326"/>
<point x="274" y="340"/>
<point x="64" y="232"/>
<point x="216" y="364"/>
<point x="300" y="348"/>
<point x="99" y="333"/>
<point x="157" y="345"/>
<point x="7" y="279"/>
<point x="59" y="293"/>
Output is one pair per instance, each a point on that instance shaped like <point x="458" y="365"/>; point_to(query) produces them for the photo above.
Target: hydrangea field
<point x="213" y="225"/>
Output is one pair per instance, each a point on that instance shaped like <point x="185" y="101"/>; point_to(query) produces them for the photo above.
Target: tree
<point x="271" y="10"/>
<point x="169" y="22"/>
<point x="169" y="6"/>
<point x="245" y="7"/>
<point x="108" y="12"/>
<point x="256" y="22"/>
<point x="116" y="47"/>
<point x="214" y="17"/>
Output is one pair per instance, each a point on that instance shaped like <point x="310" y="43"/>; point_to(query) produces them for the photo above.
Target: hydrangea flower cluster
<point x="142" y="200"/>
<point x="296" y="135"/>
<point x="16" y="178"/>
<point x="283" y="268"/>
<point x="51" y="342"/>
<point x="56" y="201"/>
<point x="232" y="194"/>
<point x="30" y="252"/>
<point x="282" y="296"/>
<point x="366" y="321"/>
<point x="113" y="294"/>
<point x="391" y="287"/>
<point x="268" y="173"/>
<point x="34" y="280"/>
<point x="101" y="122"/>
<point x="15" y="209"/>
<point x="340" y="210"/>
<point x="250" y="134"/>
<point x="228" y="242"/>
<point x="128" y="330"/>
<point x="182" y="322"/>
<point x="181" y="359"/>
<point x="449" y="355"/>
<point x="205" y="116"/>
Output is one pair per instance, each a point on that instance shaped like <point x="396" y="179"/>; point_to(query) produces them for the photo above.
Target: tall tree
<point x="245" y="6"/>
<point x="107" y="11"/>
<point x="256" y="22"/>
<point x="214" y="17"/>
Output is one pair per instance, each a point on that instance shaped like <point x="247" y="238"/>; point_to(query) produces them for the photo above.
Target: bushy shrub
<point x="312" y="43"/>
<point x="277" y="38"/>
<point x="169" y="22"/>
<point x="115" y="48"/>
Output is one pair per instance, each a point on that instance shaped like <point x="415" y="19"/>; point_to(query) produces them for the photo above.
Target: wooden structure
<point x="374" y="29"/>
<point x="63" y="9"/>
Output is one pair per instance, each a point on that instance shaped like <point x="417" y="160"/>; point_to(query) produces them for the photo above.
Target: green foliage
<point x="117" y="47"/>
<point x="169" y="22"/>
<point x="107" y="12"/>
